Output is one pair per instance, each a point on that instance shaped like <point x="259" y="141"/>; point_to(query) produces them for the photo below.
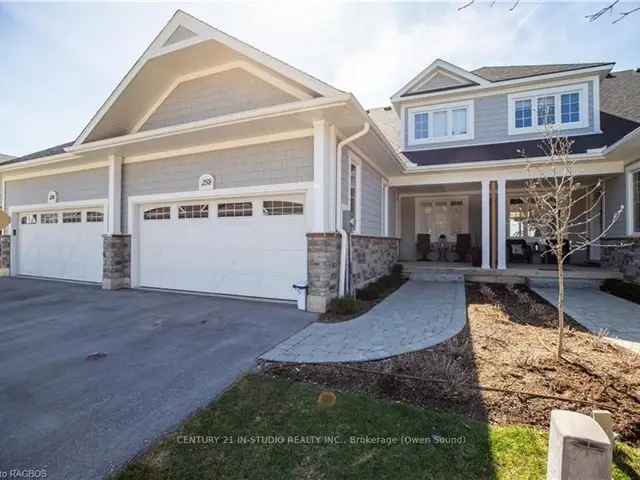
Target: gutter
<point x="343" y="234"/>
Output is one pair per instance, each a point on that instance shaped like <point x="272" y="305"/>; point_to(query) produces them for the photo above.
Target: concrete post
<point x="578" y="448"/>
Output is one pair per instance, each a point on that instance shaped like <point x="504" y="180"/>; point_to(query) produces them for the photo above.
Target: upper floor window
<point x="562" y="107"/>
<point x="440" y="123"/>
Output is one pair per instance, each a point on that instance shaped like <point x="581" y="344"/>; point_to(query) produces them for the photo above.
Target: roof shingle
<point x="500" y="74"/>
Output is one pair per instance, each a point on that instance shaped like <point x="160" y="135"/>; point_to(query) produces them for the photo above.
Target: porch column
<point x="502" y="225"/>
<point x="323" y="160"/>
<point x="114" y="213"/>
<point x="486" y="224"/>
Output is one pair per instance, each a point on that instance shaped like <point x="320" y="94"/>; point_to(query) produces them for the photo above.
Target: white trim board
<point x="223" y="120"/>
<point x="493" y="88"/>
<point x="246" y="66"/>
<point x="226" y="145"/>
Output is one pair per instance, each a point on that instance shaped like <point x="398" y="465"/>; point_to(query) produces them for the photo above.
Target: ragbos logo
<point x="24" y="473"/>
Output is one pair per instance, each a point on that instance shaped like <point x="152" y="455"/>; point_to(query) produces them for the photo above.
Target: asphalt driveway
<point x="78" y="415"/>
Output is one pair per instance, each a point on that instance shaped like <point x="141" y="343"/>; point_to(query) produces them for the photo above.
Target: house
<point x="214" y="167"/>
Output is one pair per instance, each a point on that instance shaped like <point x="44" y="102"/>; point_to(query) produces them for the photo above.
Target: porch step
<point x="550" y="282"/>
<point x="436" y="276"/>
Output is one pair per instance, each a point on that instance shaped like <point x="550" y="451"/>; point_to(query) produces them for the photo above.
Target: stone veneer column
<point x="626" y="259"/>
<point x="323" y="265"/>
<point x="116" y="265"/>
<point x="5" y="255"/>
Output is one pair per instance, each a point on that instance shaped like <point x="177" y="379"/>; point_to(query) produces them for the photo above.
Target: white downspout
<point x="343" y="233"/>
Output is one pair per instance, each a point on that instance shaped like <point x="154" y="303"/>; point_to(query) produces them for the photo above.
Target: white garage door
<point x="252" y="247"/>
<point x="63" y="244"/>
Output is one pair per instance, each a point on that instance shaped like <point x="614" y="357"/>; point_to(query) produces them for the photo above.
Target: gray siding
<point x="393" y="201"/>
<point x="74" y="186"/>
<point x="218" y="94"/>
<point x="265" y="164"/>
<point x="371" y="201"/>
<point x="491" y="123"/>
<point x="615" y="195"/>
<point x="371" y="196"/>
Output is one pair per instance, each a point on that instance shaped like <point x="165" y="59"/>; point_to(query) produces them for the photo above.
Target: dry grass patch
<point x="507" y="345"/>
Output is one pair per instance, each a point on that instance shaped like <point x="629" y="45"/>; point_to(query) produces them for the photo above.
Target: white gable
<point x="181" y="33"/>
<point x="186" y="45"/>
<point x="438" y="81"/>
<point x="439" y="74"/>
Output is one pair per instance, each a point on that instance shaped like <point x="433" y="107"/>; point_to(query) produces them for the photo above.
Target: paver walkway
<point x="416" y="316"/>
<point x="599" y="311"/>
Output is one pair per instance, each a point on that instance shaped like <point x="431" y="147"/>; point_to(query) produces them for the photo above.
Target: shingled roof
<point x="39" y="154"/>
<point x="500" y="74"/>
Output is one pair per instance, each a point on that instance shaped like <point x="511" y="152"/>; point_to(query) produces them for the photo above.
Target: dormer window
<point x="562" y="107"/>
<point x="440" y="123"/>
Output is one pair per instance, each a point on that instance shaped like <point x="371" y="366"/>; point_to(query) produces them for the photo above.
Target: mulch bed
<point x="509" y="343"/>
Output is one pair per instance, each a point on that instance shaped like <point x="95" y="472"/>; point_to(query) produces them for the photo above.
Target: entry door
<point x="65" y="244"/>
<point x="250" y="247"/>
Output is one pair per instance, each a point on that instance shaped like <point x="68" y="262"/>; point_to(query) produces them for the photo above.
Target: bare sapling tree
<point x="555" y="210"/>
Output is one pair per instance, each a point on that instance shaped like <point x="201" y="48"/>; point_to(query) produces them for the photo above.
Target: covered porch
<point x="480" y="227"/>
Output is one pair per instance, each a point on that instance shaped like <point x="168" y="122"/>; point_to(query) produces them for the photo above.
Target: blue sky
<point x="60" y="61"/>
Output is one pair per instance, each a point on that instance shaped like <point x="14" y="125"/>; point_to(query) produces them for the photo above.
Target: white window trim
<point x="582" y="89"/>
<point x="431" y="109"/>
<point x="354" y="160"/>
<point x="422" y="198"/>
<point x="385" y="207"/>
<point x="631" y="213"/>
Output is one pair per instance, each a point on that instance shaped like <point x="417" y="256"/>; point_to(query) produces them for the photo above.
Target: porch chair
<point x="463" y="246"/>
<point x="518" y="250"/>
<point x="424" y="246"/>
<point x="550" y="258"/>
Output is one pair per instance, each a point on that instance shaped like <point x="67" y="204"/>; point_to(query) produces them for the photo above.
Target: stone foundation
<point x="626" y="259"/>
<point x="372" y="258"/>
<point x="116" y="265"/>
<point x="5" y="255"/>
<point x="323" y="265"/>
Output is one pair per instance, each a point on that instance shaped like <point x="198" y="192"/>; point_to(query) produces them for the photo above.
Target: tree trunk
<point x="560" y="306"/>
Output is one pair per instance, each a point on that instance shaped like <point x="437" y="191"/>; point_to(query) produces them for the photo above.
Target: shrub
<point x="373" y="291"/>
<point x="396" y="271"/>
<point x="387" y="282"/>
<point x="345" y="306"/>
<point x="619" y="288"/>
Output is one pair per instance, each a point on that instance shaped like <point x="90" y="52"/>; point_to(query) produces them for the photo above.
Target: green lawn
<point x="266" y="420"/>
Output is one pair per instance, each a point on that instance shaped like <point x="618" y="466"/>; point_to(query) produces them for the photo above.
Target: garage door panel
<point x="258" y="256"/>
<point x="70" y="251"/>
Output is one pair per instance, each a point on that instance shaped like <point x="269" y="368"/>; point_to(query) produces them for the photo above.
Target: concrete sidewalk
<point x="416" y="316"/>
<point x="599" y="311"/>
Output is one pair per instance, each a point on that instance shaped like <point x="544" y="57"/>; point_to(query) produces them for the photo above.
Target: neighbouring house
<point x="214" y="167"/>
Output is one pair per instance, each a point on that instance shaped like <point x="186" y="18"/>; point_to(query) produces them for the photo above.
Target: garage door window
<point x="30" y="219"/>
<point x="95" y="217"/>
<point x="274" y="207"/>
<point x="72" y="217"/>
<point x="239" y="209"/>
<point x="49" y="218"/>
<point x="193" y="211"/>
<point x="160" y="213"/>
